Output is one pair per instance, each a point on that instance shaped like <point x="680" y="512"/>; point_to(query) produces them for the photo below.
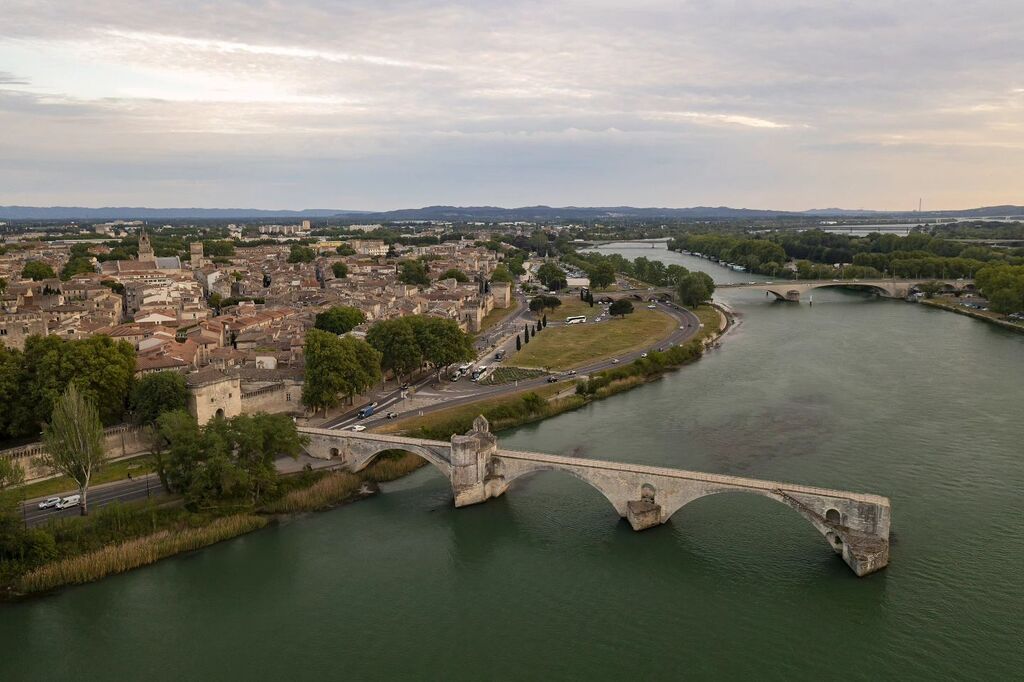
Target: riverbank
<point x="120" y="538"/>
<point x="529" y="406"/>
<point x="976" y="314"/>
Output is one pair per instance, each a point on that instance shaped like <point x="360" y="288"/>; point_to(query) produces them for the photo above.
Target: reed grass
<point x="328" y="491"/>
<point x="141" y="551"/>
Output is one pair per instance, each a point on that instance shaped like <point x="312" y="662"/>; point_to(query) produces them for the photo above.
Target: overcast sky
<point x="389" y="104"/>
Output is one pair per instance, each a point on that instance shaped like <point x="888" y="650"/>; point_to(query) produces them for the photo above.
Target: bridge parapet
<point x="856" y="525"/>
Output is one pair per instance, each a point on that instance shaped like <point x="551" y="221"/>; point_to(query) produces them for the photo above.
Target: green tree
<point x="339" y="319"/>
<point x="73" y="441"/>
<point x="413" y="272"/>
<point x="76" y="266"/>
<point x="551" y="276"/>
<point x="441" y="341"/>
<point x="301" y="254"/>
<point x="622" y="307"/>
<point x="695" y="288"/>
<point x="501" y="274"/>
<point x="340" y="270"/>
<point x="544" y="302"/>
<point x="10" y="474"/>
<point x="602" y="275"/>
<point x="929" y="289"/>
<point x="396" y="341"/>
<point x="228" y="461"/>
<point x="154" y="394"/>
<point x="37" y="270"/>
<point x="345" y="250"/>
<point x="519" y="343"/>
<point x="456" y="274"/>
<point x="336" y="368"/>
<point x="102" y="369"/>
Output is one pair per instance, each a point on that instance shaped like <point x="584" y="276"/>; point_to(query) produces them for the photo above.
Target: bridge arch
<point x="829" y="526"/>
<point x="365" y="459"/>
<point x="608" y="489"/>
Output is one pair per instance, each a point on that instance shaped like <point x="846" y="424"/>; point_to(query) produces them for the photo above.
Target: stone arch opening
<point x="394" y="462"/>
<point x="219" y="414"/>
<point x="833" y="536"/>
<point x="334" y="452"/>
<point x="648" y="492"/>
<point x="608" y="494"/>
<point x="834" y="517"/>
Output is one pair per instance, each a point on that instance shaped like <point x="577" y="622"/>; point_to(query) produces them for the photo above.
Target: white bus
<point x="576" y="319"/>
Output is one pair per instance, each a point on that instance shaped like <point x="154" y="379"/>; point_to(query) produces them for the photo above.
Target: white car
<point x="615" y="361"/>
<point x="357" y="427"/>
<point x="652" y="307"/>
<point x="49" y="502"/>
<point x="69" y="501"/>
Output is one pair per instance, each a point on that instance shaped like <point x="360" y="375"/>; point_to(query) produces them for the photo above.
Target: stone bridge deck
<point x="856" y="525"/>
<point x="792" y="289"/>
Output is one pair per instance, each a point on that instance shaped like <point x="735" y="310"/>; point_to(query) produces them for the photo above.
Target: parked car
<point x="69" y="501"/>
<point x="49" y="502"/>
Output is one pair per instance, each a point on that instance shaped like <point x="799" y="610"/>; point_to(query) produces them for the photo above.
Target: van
<point x="69" y="501"/>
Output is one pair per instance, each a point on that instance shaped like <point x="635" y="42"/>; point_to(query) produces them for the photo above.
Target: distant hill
<point x="142" y="213"/>
<point x="484" y="213"/>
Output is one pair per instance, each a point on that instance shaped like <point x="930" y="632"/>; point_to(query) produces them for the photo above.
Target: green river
<point x="548" y="583"/>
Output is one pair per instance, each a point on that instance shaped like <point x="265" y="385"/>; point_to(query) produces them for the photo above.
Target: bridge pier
<point x="472" y="474"/>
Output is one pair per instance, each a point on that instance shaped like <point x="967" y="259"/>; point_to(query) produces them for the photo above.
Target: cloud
<point x="385" y="103"/>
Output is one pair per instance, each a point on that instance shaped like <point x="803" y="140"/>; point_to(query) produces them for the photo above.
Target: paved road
<point x="118" y="491"/>
<point x="462" y="392"/>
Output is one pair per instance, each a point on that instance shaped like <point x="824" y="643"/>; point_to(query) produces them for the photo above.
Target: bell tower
<point x="145" y="248"/>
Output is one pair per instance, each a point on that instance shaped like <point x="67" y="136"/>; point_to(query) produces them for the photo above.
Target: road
<point x="463" y="392"/>
<point x="458" y="393"/>
<point x="101" y="495"/>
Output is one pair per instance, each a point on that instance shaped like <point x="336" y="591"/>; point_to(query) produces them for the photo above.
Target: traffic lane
<point x="690" y="324"/>
<point x="120" y="491"/>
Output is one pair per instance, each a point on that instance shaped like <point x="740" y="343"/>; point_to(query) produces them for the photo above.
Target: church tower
<point x="145" y="248"/>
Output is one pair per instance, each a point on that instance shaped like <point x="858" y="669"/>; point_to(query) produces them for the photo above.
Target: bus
<point x="576" y="319"/>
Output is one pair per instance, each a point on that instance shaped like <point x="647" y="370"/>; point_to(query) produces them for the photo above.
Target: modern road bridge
<point x="855" y="525"/>
<point x="793" y="289"/>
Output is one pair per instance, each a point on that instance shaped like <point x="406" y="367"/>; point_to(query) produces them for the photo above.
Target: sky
<point x="389" y="104"/>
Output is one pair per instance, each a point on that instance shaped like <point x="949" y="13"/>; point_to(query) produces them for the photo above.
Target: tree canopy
<point x="154" y="394"/>
<point x="413" y="272"/>
<point x="551" y="276"/>
<point x="456" y="274"/>
<point x="622" y="307"/>
<point x="339" y="319"/>
<point x="228" y="461"/>
<point x="301" y="254"/>
<point x="337" y="368"/>
<point x="695" y="288"/>
<point x="339" y="269"/>
<point x="37" y="270"/>
<point x="501" y="274"/>
<point x="544" y="302"/>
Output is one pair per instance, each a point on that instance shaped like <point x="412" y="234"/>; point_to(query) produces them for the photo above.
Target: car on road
<point x="69" y="501"/>
<point x="615" y="361"/>
<point x="571" y="372"/>
<point x="652" y="307"/>
<point x="49" y="502"/>
<point x="392" y="415"/>
<point x="643" y="355"/>
<point x="357" y="427"/>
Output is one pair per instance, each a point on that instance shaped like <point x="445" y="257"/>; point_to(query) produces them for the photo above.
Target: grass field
<point x="114" y="471"/>
<point x="570" y="346"/>
<point x="572" y="305"/>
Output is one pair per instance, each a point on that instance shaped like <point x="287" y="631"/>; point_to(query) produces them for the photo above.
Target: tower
<point x="195" y="250"/>
<point x="145" y="248"/>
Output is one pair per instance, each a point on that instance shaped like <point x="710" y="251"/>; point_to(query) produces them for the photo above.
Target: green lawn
<point x="572" y="305"/>
<point x="115" y="471"/>
<point x="570" y="346"/>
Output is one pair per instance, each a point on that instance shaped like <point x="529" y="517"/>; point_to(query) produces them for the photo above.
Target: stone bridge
<point x="793" y="289"/>
<point x="855" y="525"/>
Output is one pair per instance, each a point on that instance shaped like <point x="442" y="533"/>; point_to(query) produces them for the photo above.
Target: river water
<point x="546" y="582"/>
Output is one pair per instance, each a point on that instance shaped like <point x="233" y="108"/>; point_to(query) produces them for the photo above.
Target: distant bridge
<point x="855" y="525"/>
<point x="793" y="289"/>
